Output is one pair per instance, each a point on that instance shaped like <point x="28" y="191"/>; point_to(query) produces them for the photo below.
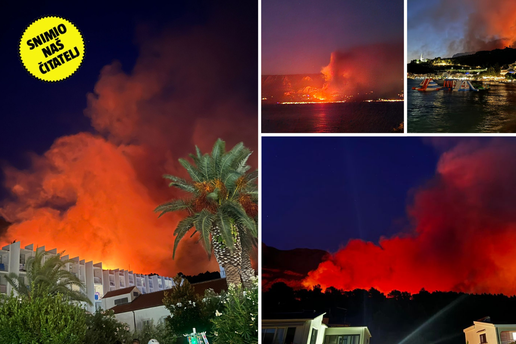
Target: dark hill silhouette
<point x="288" y="266"/>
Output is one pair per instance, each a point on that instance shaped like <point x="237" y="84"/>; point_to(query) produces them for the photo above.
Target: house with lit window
<point x="310" y="328"/>
<point x="484" y="331"/>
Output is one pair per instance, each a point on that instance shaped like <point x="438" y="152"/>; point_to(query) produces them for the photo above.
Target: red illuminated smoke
<point x="463" y="236"/>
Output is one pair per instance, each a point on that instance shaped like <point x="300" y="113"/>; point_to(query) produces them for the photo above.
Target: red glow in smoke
<point x="363" y="69"/>
<point x="464" y="237"/>
<point x="489" y="24"/>
<point x="492" y="25"/>
<point x="93" y="195"/>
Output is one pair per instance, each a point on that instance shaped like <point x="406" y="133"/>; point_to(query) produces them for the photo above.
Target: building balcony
<point x="97" y="280"/>
<point x="3" y="288"/>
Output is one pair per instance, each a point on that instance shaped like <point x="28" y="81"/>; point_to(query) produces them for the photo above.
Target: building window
<point x="342" y="339"/>
<point x="291" y="332"/>
<point x="147" y="323"/>
<point x="280" y="335"/>
<point x="121" y="301"/>
<point x="483" y="338"/>
<point x="313" y="337"/>
<point x="135" y="293"/>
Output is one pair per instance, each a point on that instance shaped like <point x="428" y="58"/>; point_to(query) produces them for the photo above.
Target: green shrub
<point x="42" y="320"/>
<point x="103" y="328"/>
<point x="160" y="332"/>
<point x="189" y="310"/>
<point x="237" y="322"/>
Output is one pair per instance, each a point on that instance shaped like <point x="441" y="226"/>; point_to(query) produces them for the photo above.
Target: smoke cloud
<point x="463" y="235"/>
<point x="363" y="69"/>
<point x="466" y="26"/>
<point x="93" y="194"/>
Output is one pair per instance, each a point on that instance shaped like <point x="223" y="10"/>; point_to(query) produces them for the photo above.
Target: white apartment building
<point x="97" y="281"/>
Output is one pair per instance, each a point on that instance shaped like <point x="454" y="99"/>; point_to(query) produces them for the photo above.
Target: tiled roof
<point x="156" y="299"/>
<point x="118" y="292"/>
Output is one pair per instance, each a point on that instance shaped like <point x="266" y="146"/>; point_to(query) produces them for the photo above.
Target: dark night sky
<point x="34" y="113"/>
<point x="299" y="36"/>
<point x="321" y="192"/>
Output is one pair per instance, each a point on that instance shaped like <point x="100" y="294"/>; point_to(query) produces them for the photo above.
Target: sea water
<point x="488" y="111"/>
<point x="332" y="118"/>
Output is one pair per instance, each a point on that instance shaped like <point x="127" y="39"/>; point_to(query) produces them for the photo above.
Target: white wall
<point x="155" y="314"/>
<point x="473" y="333"/>
<point x="362" y="331"/>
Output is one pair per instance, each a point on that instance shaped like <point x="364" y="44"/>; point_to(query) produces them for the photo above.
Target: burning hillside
<point x="367" y="72"/>
<point x="463" y="235"/>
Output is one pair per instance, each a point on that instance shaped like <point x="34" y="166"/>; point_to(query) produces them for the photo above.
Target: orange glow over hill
<point x="463" y="235"/>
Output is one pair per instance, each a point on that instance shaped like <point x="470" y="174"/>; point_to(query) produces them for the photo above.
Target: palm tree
<point x="222" y="207"/>
<point x="47" y="277"/>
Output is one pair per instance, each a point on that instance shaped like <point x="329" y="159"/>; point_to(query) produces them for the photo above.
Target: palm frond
<point x="204" y="166"/>
<point x="219" y="148"/>
<point x="192" y="171"/>
<point x="242" y="164"/>
<point x="230" y="181"/>
<point x="180" y="183"/>
<point x="227" y="160"/>
<point x="203" y="225"/>
<point x="235" y="211"/>
<point x="182" y="228"/>
<point x="224" y="224"/>
<point x="173" y="206"/>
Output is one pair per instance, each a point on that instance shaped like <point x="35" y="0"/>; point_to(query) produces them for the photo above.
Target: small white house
<point x="310" y="328"/>
<point x="120" y="297"/>
<point x="485" y="332"/>
<point x="135" y="308"/>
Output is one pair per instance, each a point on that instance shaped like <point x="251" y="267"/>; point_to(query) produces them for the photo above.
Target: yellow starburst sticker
<point x="52" y="49"/>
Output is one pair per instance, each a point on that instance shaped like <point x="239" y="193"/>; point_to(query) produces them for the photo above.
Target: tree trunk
<point x="231" y="260"/>
<point x="247" y="268"/>
<point x="232" y="274"/>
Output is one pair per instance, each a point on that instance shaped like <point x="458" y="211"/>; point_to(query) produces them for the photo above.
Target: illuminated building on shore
<point x="97" y="281"/>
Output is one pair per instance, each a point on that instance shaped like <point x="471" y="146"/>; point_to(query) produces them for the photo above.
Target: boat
<point x="459" y="85"/>
<point x="427" y="85"/>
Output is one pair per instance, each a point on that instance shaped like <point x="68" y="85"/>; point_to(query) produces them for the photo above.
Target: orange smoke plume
<point x="463" y="236"/>
<point x="492" y="25"/>
<point x="93" y="194"/>
<point x="377" y="68"/>
<point x="488" y="24"/>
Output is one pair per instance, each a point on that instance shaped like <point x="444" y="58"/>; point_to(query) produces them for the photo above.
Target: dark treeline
<point x="202" y="277"/>
<point x="398" y="317"/>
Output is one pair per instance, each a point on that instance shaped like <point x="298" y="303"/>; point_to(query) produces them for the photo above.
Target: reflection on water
<point x="332" y="118"/>
<point x="462" y="112"/>
<point x="321" y="124"/>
